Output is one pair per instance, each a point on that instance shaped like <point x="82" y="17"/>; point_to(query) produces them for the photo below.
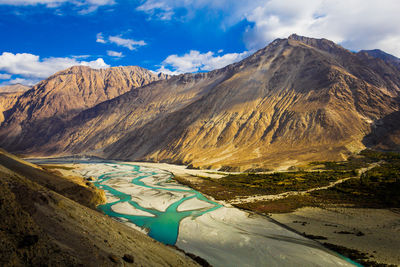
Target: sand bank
<point x="375" y="231"/>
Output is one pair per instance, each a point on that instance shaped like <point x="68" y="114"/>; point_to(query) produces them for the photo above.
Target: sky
<point x="41" y="37"/>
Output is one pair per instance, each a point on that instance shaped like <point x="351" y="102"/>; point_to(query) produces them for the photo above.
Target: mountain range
<point x="299" y="99"/>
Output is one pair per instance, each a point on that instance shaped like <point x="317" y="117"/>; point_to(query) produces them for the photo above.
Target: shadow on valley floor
<point x="385" y="133"/>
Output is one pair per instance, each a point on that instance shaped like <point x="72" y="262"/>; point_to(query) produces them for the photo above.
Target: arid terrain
<point x="46" y="221"/>
<point x="350" y="207"/>
<point x="303" y="133"/>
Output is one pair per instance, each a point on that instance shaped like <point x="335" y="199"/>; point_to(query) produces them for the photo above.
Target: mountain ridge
<point x="53" y="101"/>
<point x="298" y="99"/>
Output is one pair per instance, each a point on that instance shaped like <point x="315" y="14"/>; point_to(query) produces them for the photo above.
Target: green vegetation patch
<point x="376" y="188"/>
<point x="283" y="205"/>
<point x="363" y="160"/>
<point x="275" y="183"/>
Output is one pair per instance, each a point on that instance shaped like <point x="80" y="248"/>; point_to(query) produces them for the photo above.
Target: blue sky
<point x="40" y="37"/>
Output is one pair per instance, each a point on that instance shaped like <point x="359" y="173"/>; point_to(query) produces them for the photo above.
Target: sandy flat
<point x="126" y="208"/>
<point x="150" y="198"/>
<point x="194" y="204"/>
<point x="181" y="170"/>
<point x="250" y="240"/>
<point x="381" y="229"/>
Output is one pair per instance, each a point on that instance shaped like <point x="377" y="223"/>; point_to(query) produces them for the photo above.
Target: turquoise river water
<point x="163" y="225"/>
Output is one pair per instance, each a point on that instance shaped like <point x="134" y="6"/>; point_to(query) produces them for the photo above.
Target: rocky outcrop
<point x="7" y="101"/>
<point x="8" y="97"/>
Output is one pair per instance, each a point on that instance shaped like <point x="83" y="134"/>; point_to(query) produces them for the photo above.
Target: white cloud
<point x="32" y="67"/>
<point x="114" y="54"/>
<point x="120" y="41"/>
<point x="4" y="76"/>
<point x="159" y="9"/>
<point x="356" y="24"/>
<point x="167" y="71"/>
<point x="100" y="38"/>
<point x="128" y="43"/>
<point x="233" y="10"/>
<point x="195" y="61"/>
<point x="87" y="6"/>
<point x="29" y="82"/>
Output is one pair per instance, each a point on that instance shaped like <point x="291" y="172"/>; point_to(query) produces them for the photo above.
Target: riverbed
<point x="149" y="200"/>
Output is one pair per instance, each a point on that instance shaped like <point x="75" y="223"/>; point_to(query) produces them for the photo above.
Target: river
<point x="150" y="200"/>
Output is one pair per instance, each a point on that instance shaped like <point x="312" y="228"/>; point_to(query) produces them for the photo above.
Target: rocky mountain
<point x="298" y="99"/>
<point x="8" y="97"/>
<point x="377" y="53"/>
<point x="46" y="106"/>
<point x="7" y="101"/>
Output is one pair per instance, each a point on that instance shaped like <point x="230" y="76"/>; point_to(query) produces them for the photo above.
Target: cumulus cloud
<point x="32" y="67"/>
<point x="29" y="82"/>
<point x="120" y="41"/>
<point x="356" y="24"/>
<point x="115" y="54"/>
<point x="86" y="6"/>
<point x="195" y="61"/>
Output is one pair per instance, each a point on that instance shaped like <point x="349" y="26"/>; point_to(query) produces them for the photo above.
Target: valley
<point x="177" y="215"/>
<point x="287" y="157"/>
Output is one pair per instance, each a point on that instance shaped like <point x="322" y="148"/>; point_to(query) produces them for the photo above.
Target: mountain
<point x="44" y="108"/>
<point x="7" y="101"/>
<point x="8" y="97"/>
<point x="377" y="53"/>
<point x="41" y="226"/>
<point x="298" y="99"/>
<point x="14" y="88"/>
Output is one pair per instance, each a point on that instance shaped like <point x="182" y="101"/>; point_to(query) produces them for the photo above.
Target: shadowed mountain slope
<point x="298" y="99"/>
<point x="376" y="53"/>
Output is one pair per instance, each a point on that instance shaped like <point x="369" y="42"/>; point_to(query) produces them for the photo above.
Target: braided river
<point x="149" y="200"/>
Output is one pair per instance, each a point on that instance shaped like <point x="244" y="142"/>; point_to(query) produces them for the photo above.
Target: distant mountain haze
<point x="298" y="99"/>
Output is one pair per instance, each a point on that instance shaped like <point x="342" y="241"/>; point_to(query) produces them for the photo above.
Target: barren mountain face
<point x="8" y="97"/>
<point x="7" y="101"/>
<point x="44" y="109"/>
<point x="299" y="99"/>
